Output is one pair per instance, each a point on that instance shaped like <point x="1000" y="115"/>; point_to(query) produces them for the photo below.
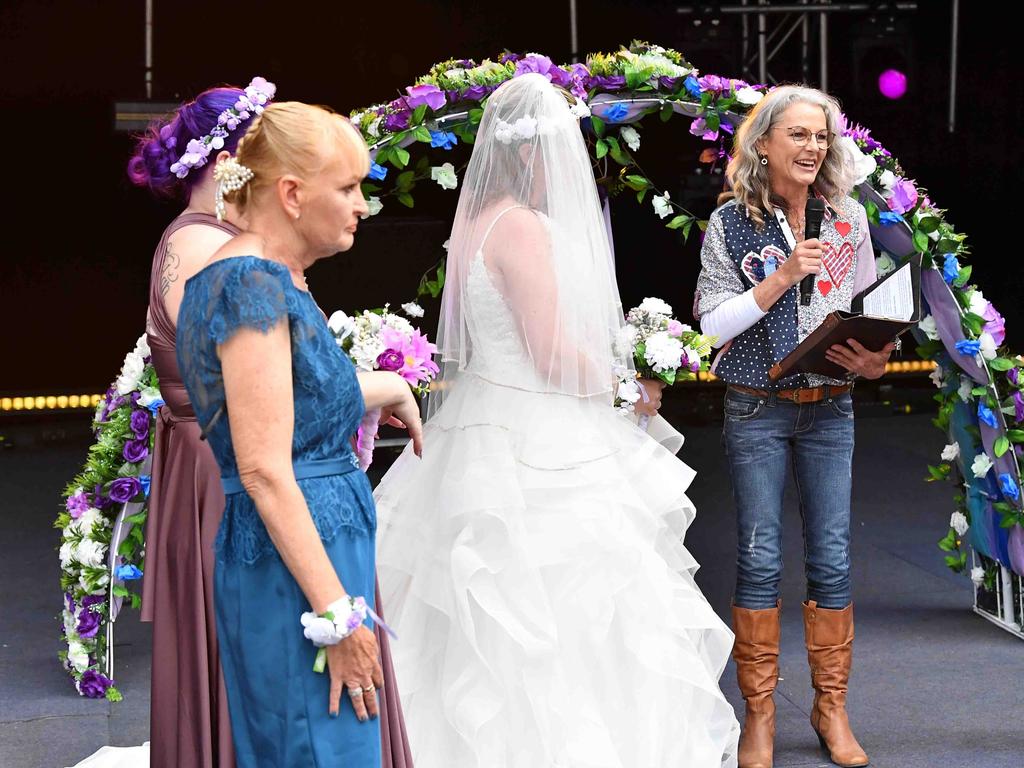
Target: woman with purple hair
<point x="189" y="724"/>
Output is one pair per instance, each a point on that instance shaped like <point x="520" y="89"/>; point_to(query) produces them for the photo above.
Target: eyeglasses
<point x="801" y="137"/>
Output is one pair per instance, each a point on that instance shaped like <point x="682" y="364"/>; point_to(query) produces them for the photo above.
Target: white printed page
<point x="894" y="298"/>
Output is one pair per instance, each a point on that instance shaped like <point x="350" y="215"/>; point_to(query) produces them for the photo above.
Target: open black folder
<point x="877" y="315"/>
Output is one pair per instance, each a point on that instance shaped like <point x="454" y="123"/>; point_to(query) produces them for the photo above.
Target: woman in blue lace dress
<point x="279" y="403"/>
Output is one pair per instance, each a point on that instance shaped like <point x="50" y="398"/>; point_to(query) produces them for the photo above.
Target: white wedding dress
<point x="532" y="564"/>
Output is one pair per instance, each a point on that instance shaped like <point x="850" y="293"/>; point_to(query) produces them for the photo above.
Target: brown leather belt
<point x="801" y="395"/>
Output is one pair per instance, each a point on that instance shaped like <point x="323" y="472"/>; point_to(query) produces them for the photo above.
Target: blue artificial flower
<point x="1008" y="486"/>
<point x="615" y="114"/>
<point x="377" y="172"/>
<point x="128" y="573"/>
<point x="888" y="218"/>
<point x="985" y="415"/>
<point x="154" y="406"/>
<point x="950" y="268"/>
<point x="969" y="347"/>
<point x="692" y="86"/>
<point x="145" y="480"/>
<point x="443" y="139"/>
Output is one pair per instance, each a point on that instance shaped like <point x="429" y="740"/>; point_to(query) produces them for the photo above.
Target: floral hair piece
<point x="231" y="176"/>
<point x="527" y="127"/>
<point x="252" y="101"/>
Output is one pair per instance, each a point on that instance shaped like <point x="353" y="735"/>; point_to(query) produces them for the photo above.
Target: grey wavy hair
<point x="750" y="180"/>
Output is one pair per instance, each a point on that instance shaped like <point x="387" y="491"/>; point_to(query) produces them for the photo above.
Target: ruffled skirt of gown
<point x="532" y="564"/>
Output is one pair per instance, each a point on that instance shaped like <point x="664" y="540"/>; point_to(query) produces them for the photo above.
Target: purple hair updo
<point x="165" y="141"/>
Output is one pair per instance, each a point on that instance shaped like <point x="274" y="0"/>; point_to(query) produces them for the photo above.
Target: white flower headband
<point x="252" y="101"/>
<point x="526" y="128"/>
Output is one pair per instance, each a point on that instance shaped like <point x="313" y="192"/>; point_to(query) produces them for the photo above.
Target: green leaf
<point x="405" y="199"/>
<point x="401" y="157"/>
<point x="678" y="221"/>
<point x="119" y="590"/>
<point x="598" y="125"/>
<point x="874" y="216"/>
<point x="418" y="114"/>
<point x="633" y="181"/>
<point x="1001" y="445"/>
<point x="974" y="323"/>
<point x="476" y="115"/>
<point x="640" y="195"/>
<point x="405" y="181"/>
<point x="669" y="377"/>
<point x="637" y="77"/>
<point x="921" y="242"/>
<point x="952" y="561"/>
<point x="666" y="112"/>
<point x="686" y="229"/>
<point x="928" y="224"/>
<point x="948" y="542"/>
<point x="136" y="601"/>
<point x="1015" y="435"/>
<point x="1000" y="364"/>
<point x="422" y="133"/>
<point x="601" y="148"/>
<point x="712" y="121"/>
<point x="963" y="276"/>
<point x="979" y="391"/>
<point x="940" y="472"/>
<point x="702" y="225"/>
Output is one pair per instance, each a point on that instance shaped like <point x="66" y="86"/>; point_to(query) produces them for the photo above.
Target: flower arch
<point x="980" y="387"/>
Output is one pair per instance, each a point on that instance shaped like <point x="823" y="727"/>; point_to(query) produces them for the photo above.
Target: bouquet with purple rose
<point x="380" y="340"/>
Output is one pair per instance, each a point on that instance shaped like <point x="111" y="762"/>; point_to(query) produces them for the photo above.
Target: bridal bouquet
<point x="380" y="340"/>
<point x="661" y="348"/>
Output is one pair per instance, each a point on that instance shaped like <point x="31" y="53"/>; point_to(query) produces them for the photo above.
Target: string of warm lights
<point x="49" y="402"/>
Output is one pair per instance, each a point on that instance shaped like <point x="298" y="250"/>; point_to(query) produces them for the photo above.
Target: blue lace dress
<point x="278" y="704"/>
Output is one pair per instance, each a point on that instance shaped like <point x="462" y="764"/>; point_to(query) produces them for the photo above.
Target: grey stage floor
<point x="933" y="684"/>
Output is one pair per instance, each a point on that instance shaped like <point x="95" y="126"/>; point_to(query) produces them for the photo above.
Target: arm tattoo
<point x="169" y="273"/>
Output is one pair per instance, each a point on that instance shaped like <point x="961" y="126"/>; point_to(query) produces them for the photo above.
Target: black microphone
<point x="813" y="214"/>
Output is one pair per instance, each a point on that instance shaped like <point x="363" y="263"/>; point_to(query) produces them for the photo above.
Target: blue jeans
<point x="762" y="436"/>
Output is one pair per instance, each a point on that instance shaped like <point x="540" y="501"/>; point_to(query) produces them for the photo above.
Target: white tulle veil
<point x="530" y="154"/>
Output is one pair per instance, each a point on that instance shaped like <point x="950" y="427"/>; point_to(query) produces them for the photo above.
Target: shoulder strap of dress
<point x="495" y="221"/>
<point x="208" y="219"/>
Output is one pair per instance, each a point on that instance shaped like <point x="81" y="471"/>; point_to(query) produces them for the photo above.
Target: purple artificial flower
<point x="699" y="128"/>
<point x="90" y="600"/>
<point x="390" y="360"/>
<point x="1008" y="486"/>
<point x="135" y="450"/>
<point x="670" y="84"/>
<point x="1014" y="376"/>
<point x="427" y="94"/>
<point x="140" y="423"/>
<point x="576" y="79"/>
<point x="903" y="197"/>
<point x="714" y="83"/>
<point x="996" y="325"/>
<point x="77" y="504"/>
<point x="608" y="82"/>
<point x="397" y="121"/>
<point x="99" y="500"/>
<point x="124" y="489"/>
<point x="88" y="623"/>
<point x="475" y="92"/>
<point x="93" y="684"/>
<point x="508" y="57"/>
<point x="1018" y="407"/>
<point x="69" y="601"/>
<point x="542" y="65"/>
<point x="985" y="415"/>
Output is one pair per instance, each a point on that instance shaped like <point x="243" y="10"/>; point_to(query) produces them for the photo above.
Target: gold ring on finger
<point x="368" y="688"/>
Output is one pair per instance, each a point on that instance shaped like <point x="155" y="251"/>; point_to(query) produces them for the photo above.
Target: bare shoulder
<point x="188" y="250"/>
<point x="520" y="231"/>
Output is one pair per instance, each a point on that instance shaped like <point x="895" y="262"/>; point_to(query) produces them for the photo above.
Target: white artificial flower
<point x="446" y="243"/>
<point x="884" y="264"/>
<point x="886" y="181"/>
<point x="580" y="109"/>
<point x="978" y="303"/>
<point x="319" y="630"/>
<point x="70" y="623"/>
<point x="372" y="321"/>
<point x="78" y="656"/>
<point x="525" y="127"/>
<point x="445" y="176"/>
<point x="148" y="396"/>
<point x="988" y="346"/>
<point x="66" y="554"/>
<point x="629" y="391"/>
<point x="398" y="323"/>
<point x="964" y="390"/>
<point x="90" y="553"/>
<point x="937" y="375"/>
<point x="373" y="129"/>
<point x="951" y="452"/>
<point x="863" y="165"/>
<point x="412" y="309"/>
<point x="625" y="341"/>
<point x="142" y="346"/>
<point x="96" y="586"/>
<point x="89" y="521"/>
<point x="978" y="575"/>
<point x="366" y="353"/>
<point x="958" y="522"/>
<point x="631" y="136"/>
<point x="130" y="374"/>
<point x="928" y="327"/>
<point x="662" y="206"/>
<point x="341" y="325"/>
<point x="457" y="76"/>
<point x="663" y="352"/>
<point x="749" y="96"/>
<point x="655" y="306"/>
<point x="373" y="207"/>
<point x="981" y="465"/>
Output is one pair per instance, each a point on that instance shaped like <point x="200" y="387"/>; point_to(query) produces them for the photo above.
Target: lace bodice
<point x="498" y="352"/>
<point x="249" y="292"/>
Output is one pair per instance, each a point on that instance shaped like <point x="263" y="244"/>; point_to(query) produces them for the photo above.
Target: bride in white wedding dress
<point x="532" y="563"/>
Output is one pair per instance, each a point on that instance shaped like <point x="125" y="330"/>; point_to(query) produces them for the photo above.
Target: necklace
<point x="797" y="227"/>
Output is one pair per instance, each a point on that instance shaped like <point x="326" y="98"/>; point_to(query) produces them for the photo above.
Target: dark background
<point x="78" y="238"/>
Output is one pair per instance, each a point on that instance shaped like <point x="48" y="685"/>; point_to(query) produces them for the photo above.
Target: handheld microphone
<point x="813" y="214"/>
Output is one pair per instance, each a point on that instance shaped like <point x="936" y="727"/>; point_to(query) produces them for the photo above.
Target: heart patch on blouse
<point x="837" y="260"/>
<point x="758" y="266"/>
<point x="843" y="227"/>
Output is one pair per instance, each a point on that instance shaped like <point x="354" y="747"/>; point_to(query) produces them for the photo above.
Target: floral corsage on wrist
<point x="340" y="620"/>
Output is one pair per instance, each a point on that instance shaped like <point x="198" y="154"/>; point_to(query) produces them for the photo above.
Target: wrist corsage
<point x="340" y="620"/>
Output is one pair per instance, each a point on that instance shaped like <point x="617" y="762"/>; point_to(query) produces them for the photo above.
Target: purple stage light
<point x="892" y="83"/>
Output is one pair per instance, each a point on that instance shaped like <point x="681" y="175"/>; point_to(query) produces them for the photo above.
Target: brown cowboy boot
<point x="828" y="635"/>
<point x="756" y="653"/>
